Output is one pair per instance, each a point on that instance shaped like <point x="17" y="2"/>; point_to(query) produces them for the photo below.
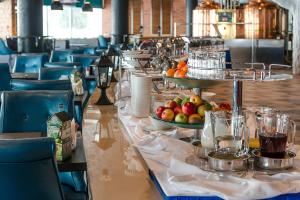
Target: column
<point x="119" y="20"/>
<point x="29" y="25"/>
<point x="190" y="6"/>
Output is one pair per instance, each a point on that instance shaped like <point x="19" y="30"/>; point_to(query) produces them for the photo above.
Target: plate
<point x="192" y="82"/>
<point x="180" y="125"/>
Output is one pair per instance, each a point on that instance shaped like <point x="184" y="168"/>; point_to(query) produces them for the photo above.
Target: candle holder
<point x="103" y="71"/>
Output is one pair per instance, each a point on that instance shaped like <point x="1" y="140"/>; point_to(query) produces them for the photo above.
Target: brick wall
<point x="6" y="20"/>
<point x="178" y="16"/>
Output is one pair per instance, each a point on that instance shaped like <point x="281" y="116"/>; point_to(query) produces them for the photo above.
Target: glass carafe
<point x="276" y="134"/>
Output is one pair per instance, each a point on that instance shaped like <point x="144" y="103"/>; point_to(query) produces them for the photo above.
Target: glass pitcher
<point x="276" y="134"/>
<point x="235" y="134"/>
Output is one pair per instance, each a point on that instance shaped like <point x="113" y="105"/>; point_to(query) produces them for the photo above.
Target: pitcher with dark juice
<point x="276" y="134"/>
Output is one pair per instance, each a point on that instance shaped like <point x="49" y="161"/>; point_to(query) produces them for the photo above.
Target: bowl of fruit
<point x="184" y="112"/>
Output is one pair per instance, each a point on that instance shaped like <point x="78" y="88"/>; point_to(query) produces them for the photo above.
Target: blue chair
<point x="4" y="50"/>
<point x="84" y="60"/>
<point x="89" y="51"/>
<point x="102" y="42"/>
<point x="45" y="56"/>
<point x="28" y="64"/>
<point x="31" y="109"/>
<point x="62" y="64"/>
<point x="5" y="77"/>
<point x="22" y="84"/>
<point x="61" y="56"/>
<point x="55" y="73"/>
<point x="28" y="170"/>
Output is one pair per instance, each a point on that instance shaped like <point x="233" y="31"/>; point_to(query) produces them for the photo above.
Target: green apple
<point x="181" y="118"/>
<point x="185" y="100"/>
<point x="196" y="99"/>
<point x="178" y="100"/>
<point x="201" y="110"/>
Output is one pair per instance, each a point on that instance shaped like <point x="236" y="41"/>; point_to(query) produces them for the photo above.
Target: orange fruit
<point x="170" y="72"/>
<point x="179" y="74"/>
<point x="181" y="64"/>
<point x="185" y="68"/>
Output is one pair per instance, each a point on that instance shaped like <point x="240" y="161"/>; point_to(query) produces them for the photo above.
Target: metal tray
<point x="266" y="163"/>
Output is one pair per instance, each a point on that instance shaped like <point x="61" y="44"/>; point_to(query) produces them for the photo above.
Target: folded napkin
<point x="189" y="179"/>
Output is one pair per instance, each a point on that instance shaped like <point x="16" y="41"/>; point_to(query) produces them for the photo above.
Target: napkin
<point x="187" y="178"/>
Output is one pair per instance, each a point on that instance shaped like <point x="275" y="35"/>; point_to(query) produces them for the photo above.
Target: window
<point x="204" y="22"/>
<point x="135" y="16"/>
<point x="72" y="22"/>
<point x="162" y="16"/>
<point x="251" y="23"/>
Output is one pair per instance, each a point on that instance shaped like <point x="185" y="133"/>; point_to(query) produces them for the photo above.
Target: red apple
<point x="159" y="111"/>
<point x="177" y="110"/>
<point x="188" y="108"/>
<point x="168" y="115"/>
<point x="171" y="104"/>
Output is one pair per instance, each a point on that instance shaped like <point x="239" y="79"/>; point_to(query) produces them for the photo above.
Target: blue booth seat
<point x="28" y="64"/>
<point x="89" y="51"/>
<point x="22" y="84"/>
<point x="31" y="110"/>
<point x="4" y="50"/>
<point x="28" y="170"/>
<point x="61" y="56"/>
<point x="62" y="64"/>
<point x="102" y="42"/>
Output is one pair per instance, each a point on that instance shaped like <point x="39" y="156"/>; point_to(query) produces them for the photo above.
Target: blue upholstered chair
<point x="21" y="84"/>
<point x="89" y="51"/>
<point x="31" y="109"/>
<point x="62" y="64"/>
<point x="45" y="56"/>
<point x="102" y="42"/>
<point x="55" y="74"/>
<point x="28" y="170"/>
<point x="28" y="64"/>
<point x="61" y="56"/>
<point x="86" y="61"/>
<point x="5" y="77"/>
<point x="5" y="51"/>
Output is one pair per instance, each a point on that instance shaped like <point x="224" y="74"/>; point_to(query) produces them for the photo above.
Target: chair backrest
<point x="61" y="56"/>
<point x="102" y="42"/>
<point x="84" y="60"/>
<point x="28" y="169"/>
<point x="28" y="64"/>
<point x="28" y="111"/>
<point x="21" y="84"/>
<point x="4" y="50"/>
<point x="89" y="51"/>
<point x="56" y="73"/>
<point x="62" y="64"/>
<point x="45" y="56"/>
<point x="5" y="77"/>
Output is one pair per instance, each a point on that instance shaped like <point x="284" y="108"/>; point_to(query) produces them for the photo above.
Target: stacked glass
<point x="207" y="64"/>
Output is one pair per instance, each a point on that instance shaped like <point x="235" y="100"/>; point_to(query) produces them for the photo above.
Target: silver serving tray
<point x="226" y="161"/>
<point x="266" y="163"/>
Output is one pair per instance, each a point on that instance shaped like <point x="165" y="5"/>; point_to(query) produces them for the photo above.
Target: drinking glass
<point x="276" y="134"/>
